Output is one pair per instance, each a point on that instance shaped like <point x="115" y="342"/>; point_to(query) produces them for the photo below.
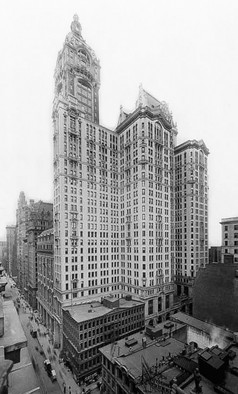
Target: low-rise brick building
<point x="88" y="327"/>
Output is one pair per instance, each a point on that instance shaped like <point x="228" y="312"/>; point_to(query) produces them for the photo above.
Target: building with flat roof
<point x="229" y="239"/>
<point x="88" y="327"/>
<point x="141" y="365"/>
<point x="138" y="365"/>
<point x="204" y="333"/>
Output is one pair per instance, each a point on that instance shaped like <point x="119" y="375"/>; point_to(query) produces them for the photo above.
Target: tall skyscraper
<point x="114" y="205"/>
<point x="191" y="213"/>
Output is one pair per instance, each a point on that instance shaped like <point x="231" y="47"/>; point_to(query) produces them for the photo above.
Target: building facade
<point x="45" y="262"/>
<point x="21" y="218"/>
<point x="191" y="213"/>
<point x="40" y="218"/>
<point x="215" y="295"/>
<point x="114" y="196"/>
<point x="11" y="265"/>
<point x="88" y="327"/>
<point x="229" y="228"/>
<point x="3" y="253"/>
<point x="32" y="219"/>
<point x="215" y="254"/>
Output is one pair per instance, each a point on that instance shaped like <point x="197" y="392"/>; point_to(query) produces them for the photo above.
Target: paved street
<point x="37" y="359"/>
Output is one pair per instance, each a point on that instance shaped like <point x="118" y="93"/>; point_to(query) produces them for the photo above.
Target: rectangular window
<point x="167" y="302"/>
<point x="150" y="307"/>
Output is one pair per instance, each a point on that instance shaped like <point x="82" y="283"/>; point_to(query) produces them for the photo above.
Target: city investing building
<point x="114" y="196"/>
<point x="229" y="236"/>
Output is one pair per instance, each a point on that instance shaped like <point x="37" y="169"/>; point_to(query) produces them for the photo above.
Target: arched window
<point x="84" y="56"/>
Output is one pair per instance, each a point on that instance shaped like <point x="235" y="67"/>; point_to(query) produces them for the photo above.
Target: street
<point x="41" y="348"/>
<point x="37" y="359"/>
<point x="33" y="349"/>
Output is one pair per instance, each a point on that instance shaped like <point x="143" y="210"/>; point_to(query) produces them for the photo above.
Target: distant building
<point x="3" y="252"/>
<point x="229" y="239"/>
<point x="88" y="327"/>
<point x="215" y="296"/>
<point x="215" y="254"/>
<point x="45" y="259"/>
<point x="32" y="219"/>
<point x="21" y="220"/>
<point x="11" y="267"/>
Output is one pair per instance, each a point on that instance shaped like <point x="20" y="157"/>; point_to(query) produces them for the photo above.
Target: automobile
<point x="53" y="375"/>
<point x="48" y="367"/>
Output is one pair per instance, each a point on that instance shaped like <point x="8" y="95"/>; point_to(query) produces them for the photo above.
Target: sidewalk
<point x="63" y="374"/>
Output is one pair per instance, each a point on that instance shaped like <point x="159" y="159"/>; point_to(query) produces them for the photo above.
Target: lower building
<point x="215" y="296"/>
<point x="145" y="363"/>
<point x="201" y="332"/>
<point x="88" y="327"/>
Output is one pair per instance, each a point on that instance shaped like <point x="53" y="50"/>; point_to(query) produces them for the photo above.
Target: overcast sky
<point x="183" y="51"/>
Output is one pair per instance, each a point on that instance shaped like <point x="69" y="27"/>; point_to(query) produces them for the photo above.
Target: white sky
<point x="183" y="51"/>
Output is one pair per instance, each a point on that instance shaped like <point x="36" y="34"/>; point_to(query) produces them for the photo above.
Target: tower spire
<point x="76" y="26"/>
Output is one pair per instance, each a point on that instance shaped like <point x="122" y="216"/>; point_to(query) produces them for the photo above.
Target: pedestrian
<point x="64" y="388"/>
<point x="69" y="390"/>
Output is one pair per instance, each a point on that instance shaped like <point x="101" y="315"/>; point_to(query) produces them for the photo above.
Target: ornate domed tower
<point x="77" y="74"/>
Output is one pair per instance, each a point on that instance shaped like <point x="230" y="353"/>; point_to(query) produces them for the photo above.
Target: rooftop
<point x="165" y="328"/>
<point x="218" y="334"/>
<point x="229" y="220"/>
<point x="155" y="358"/>
<point x="132" y="357"/>
<point x="192" y="144"/>
<point x="13" y="337"/>
<point x="95" y="309"/>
